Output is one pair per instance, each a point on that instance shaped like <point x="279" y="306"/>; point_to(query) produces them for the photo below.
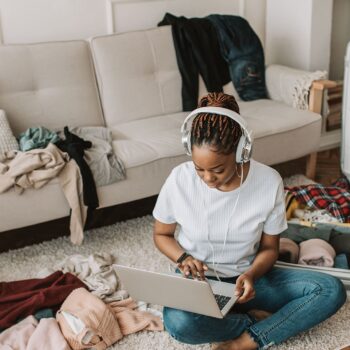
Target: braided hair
<point x="216" y="130"/>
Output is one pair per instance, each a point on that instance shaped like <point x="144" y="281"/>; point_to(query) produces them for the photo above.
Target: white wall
<point x="340" y="37"/>
<point x="25" y="21"/>
<point x="298" y="33"/>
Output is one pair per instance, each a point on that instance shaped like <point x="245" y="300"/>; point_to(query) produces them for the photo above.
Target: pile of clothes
<point x="318" y="230"/>
<point x="82" y="159"/>
<point x="79" y="309"/>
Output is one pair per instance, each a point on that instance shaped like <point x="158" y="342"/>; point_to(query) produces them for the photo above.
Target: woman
<point x="230" y="216"/>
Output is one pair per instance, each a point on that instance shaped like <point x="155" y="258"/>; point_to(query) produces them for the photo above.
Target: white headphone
<point x="245" y="143"/>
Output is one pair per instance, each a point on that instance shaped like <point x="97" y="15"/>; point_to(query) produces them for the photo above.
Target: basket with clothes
<point x="318" y="233"/>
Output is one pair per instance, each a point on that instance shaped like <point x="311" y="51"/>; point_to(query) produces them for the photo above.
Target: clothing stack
<point x="80" y="309"/>
<point x="318" y="232"/>
<point x="81" y="161"/>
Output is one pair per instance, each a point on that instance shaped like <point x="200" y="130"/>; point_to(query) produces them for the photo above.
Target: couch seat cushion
<point x="146" y="140"/>
<point x="268" y="117"/>
<point x="143" y="141"/>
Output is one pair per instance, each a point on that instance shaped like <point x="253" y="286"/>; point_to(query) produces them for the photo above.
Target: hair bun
<point x="219" y="99"/>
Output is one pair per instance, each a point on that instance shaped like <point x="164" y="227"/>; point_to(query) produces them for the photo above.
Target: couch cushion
<point x="268" y="117"/>
<point x="146" y="140"/>
<point x="151" y="147"/>
<point x="49" y="84"/>
<point x="137" y="74"/>
<point x="142" y="181"/>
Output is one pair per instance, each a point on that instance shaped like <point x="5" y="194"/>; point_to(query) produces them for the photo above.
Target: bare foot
<point x="243" y="342"/>
<point x="259" y="315"/>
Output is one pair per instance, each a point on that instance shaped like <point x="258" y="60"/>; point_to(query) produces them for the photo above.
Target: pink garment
<point x="316" y="252"/>
<point x="103" y="324"/>
<point x="287" y="246"/>
<point x="17" y="336"/>
<point x="31" y="335"/>
<point x="131" y="320"/>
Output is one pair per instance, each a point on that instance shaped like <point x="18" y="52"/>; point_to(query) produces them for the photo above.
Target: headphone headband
<point x="220" y="111"/>
<point x="245" y="143"/>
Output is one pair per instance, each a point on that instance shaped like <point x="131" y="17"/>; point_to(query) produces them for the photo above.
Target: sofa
<point x="131" y="84"/>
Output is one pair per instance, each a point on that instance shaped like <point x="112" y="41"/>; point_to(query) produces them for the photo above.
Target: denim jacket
<point x="242" y="50"/>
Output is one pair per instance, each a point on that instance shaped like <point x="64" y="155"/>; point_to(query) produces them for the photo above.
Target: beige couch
<point x="130" y="83"/>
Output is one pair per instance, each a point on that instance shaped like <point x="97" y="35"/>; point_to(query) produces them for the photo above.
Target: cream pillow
<point x="7" y="141"/>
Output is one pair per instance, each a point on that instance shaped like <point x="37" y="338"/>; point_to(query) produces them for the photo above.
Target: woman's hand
<point x="244" y="288"/>
<point x="194" y="267"/>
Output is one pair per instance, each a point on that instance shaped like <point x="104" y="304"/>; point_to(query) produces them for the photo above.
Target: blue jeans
<point x="298" y="300"/>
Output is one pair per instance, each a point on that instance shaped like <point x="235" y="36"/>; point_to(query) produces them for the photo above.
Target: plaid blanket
<point x="335" y="198"/>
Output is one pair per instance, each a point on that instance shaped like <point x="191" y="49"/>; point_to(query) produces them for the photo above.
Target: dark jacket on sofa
<point x="197" y="52"/>
<point x="242" y="50"/>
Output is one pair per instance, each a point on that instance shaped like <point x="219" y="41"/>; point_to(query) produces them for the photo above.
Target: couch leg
<point x="311" y="165"/>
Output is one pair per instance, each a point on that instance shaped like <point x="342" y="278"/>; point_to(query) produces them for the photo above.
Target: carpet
<point x="131" y="242"/>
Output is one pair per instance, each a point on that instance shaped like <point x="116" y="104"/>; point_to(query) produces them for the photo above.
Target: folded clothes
<point x="299" y="233"/>
<point x="317" y="215"/>
<point x="288" y="251"/>
<point x="341" y="262"/>
<point x="341" y="243"/>
<point x="316" y="252"/>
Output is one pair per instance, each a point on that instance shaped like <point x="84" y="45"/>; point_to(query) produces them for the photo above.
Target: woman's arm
<point x="266" y="256"/>
<point x="163" y="236"/>
<point x="263" y="262"/>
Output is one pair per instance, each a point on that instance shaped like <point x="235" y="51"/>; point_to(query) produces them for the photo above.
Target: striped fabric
<point x="206" y="216"/>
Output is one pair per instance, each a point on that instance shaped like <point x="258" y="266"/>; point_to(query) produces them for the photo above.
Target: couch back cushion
<point x="137" y="74"/>
<point x="49" y="84"/>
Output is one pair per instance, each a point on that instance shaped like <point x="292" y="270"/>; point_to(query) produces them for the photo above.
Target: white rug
<point x="132" y="243"/>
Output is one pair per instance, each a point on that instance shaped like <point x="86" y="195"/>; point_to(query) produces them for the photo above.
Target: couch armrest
<point x="291" y="86"/>
<point x="316" y="94"/>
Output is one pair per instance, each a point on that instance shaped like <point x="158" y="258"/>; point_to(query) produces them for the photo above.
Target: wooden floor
<point x="327" y="170"/>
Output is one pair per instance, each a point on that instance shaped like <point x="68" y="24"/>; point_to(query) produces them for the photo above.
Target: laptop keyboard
<point x="221" y="300"/>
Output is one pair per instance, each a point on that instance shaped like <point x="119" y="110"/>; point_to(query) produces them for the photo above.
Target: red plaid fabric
<point x="335" y="199"/>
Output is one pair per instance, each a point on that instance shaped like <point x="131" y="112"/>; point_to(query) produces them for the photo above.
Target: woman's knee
<point x="179" y="324"/>
<point x="332" y="290"/>
<point x="336" y="292"/>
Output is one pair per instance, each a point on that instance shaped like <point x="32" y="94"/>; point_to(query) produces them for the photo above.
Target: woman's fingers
<point x="193" y="267"/>
<point x="244" y="289"/>
<point x="200" y="269"/>
<point x="239" y="286"/>
<point x="247" y="295"/>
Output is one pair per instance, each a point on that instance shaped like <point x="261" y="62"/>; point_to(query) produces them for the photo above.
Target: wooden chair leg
<point x="311" y="165"/>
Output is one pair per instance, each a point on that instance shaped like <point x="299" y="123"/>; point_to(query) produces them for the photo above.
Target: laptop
<point x="209" y="297"/>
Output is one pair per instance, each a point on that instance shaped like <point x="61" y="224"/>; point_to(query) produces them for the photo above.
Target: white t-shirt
<point x="198" y="209"/>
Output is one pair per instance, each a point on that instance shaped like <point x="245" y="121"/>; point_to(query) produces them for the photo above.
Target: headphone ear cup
<point x="186" y="141"/>
<point x="240" y="150"/>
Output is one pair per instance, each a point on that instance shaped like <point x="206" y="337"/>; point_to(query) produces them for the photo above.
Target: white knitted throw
<point x="7" y="141"/>
<point x="302" y="88"/>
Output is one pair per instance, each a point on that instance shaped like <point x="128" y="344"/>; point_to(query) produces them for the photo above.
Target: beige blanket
<point x="32" y="169"/>
<point x="35" y="168"/>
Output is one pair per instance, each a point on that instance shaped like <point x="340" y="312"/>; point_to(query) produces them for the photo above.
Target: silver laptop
<point x="209" y="297"/>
